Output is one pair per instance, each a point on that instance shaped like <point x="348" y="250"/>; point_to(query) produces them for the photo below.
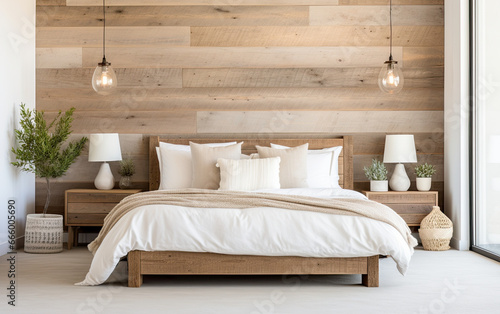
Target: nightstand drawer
<point x="411" y="213"/>
<point x="403" y="198"/>
<point x="412" y="206"/>
<point x="96" y="197"/>
<point x="90" y="208"/>
<point x="86" y="219"/>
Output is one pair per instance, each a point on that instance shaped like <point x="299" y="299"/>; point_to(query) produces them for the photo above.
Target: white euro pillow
<point x="293" y="165"/>
<point x="175" y="162"/>
<point x="322" y="166"/>
<point x="249" y="174"/>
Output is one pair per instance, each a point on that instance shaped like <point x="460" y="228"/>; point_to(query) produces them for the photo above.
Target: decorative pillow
<point x="205" y="174"/>
<point x="293" y="166"/>
<point x="249" y="174"/>
<point x="322" y="166"/>
<point x="176" y="168"/>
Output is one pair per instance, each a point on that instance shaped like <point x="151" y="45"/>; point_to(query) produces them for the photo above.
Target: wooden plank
<point x="137" y="36"/>
<point x="50" y="2"/>
<point x="78" y="16"/>
<point x="347" y="163"/>
<point x="186" y="263"/>
<point x="200" y="2"/>
<point x="318" y="121"/>
<point x="94" y="208"/>
<point x="58" y="189"/>
<point x="97" y="197"/>
<point x="414" y="209"/>
<point x="86" y="219"/>
<point x="307" y="77"/>
<point x="314" y="36"/>
<point x="53" y="209"/>
<point x="410" y="197"/>
<point x="132" y="145"/>
<point x="130" y="78"/>
<point x="373" y="143"/>
<point x="423" y="57"/>
<point x="250" y="99"/>
<point x="58" y="58"/>
<point x="153" y="122"/>
<point x="242" y="57"/>
<point x="435" y="159"/>
<point x="82" y="170"/>
<point x="386" y="2"/>
<point x="377" y="15"/>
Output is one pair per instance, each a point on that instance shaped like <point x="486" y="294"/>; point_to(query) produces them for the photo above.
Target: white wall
<point x="17" y="84"/>
<point x="456" y="106"/>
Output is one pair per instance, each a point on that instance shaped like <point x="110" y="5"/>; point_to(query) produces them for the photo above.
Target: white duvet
<point x="254" y="231"/>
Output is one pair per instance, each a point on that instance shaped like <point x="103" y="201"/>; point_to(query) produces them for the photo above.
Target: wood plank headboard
<point x="345" y="160"/>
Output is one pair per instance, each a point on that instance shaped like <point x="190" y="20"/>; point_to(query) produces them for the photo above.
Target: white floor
<point x="437" y="282"/>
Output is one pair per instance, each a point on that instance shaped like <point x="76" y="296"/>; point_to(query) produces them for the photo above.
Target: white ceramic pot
<point x="424" y="184"/>
<point x="379" y="186"/>
<point x="43" y="234"/>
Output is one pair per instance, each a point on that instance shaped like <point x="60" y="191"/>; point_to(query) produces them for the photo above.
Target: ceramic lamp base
<point x="104" y="179"/>
<point x="399" y="180"/>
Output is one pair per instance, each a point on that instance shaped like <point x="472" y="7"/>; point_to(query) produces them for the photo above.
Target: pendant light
<point x="104" y="78"/>
<point x="390" y="79"/>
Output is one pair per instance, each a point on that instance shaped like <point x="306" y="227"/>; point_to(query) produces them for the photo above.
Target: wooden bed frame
<point x="190" y="263"/>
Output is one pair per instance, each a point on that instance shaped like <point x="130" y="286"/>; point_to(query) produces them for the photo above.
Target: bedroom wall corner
<point x="17" y="84"/>
<point x="456" y="122"/>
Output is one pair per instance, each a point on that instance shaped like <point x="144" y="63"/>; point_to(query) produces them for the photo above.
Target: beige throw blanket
<point x="231" y="199"/>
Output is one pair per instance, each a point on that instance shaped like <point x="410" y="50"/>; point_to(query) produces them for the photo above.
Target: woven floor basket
<point x="43" y="234"/>
<point x="436" y="231"/>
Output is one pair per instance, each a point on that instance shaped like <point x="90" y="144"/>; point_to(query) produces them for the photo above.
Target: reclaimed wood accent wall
<point x="300" y="68"/>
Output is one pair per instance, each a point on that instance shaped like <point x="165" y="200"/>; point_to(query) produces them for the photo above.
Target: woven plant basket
<point x="43" y="234"/>
<point x="436" y="231"/>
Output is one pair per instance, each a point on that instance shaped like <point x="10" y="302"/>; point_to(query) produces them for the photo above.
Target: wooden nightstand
<point x="86" y="207"/>
<point x="412" y="206"/>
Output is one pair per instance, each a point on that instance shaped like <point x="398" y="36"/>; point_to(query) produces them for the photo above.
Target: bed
<point x="176" y="262"/>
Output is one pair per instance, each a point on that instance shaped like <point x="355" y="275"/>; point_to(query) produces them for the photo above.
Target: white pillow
<point x="249" y="174"/>
<point x="322" y="166"/>
<point x="293" y="165"/>
<point x="176" y="168"/>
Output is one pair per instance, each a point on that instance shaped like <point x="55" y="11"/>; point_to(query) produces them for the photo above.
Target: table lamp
<point x="104" y="147"/>
<point x="399" y="149"/>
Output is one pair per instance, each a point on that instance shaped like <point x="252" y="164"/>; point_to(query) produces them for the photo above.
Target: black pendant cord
<point x="390" y="23"/>
<point x="104" y="30"/>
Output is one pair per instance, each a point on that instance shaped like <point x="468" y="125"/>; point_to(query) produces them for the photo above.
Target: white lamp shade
<point x="104" y="147"/>
<point x="400" y="149"/>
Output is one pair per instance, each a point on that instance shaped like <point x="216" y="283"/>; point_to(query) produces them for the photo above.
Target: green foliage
<point x="127" y="167"/>
<point x="40" y="148"/>
<point x="425" y="170"/>
<point x="377" y="171"/>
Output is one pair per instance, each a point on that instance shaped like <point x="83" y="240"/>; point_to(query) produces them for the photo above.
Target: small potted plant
<point x="127" y="170"/>
<point x="42" y="150"/>
<point x="377" y="173"/>
<point x="424" y="176"/>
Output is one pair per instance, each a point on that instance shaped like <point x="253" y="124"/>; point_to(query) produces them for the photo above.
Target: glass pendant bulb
<point x="390" y="79"/>
<point x="104" y="78"/>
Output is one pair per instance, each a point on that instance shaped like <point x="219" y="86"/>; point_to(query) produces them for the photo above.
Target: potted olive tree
<point x="377" y="174"/>
<point x="40" y="151"/>
<point x="424" y="176"/>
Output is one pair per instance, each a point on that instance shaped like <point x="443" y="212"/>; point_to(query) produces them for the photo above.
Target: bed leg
<point x="370" y="279"/>
<point x="134" y="269"/>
